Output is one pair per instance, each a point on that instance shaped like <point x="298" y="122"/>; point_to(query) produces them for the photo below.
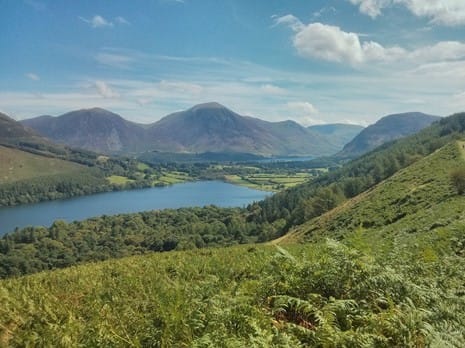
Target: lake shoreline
<point x="187" y="194"/>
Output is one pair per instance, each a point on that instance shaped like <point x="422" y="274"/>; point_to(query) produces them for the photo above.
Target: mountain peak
<point x="209" y="105"/>
<point x="94" y="110"/>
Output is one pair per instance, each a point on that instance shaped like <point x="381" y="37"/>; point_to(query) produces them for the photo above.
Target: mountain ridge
<point x="387" y="128"/>
<point x="208" y="127"/>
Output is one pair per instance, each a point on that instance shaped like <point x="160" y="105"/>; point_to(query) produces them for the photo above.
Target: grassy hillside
<point x="323" y="294"/>
<point x="19" y="165"/>
<point x="420" y="197"/>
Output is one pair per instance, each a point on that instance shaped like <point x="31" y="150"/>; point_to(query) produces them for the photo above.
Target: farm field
<point x="269" y="182"/>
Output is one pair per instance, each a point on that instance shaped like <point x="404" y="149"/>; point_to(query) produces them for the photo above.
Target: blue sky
<point x="310" y="61"/>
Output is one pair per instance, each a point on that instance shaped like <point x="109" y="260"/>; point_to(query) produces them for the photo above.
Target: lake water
<point x="191" y="194"/>
<point x="285" y="159"/>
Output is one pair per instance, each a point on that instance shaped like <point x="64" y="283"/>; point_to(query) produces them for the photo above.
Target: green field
<point x="118" y="180"/>
<point x="173" y="177"/>
<point x="142" y="166"/>
<point x="268" y="182"/>
<point x="161" y="177"/>
<point x="19" y="165"/>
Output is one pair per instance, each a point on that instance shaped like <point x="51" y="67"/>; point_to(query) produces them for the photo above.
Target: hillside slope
<point x="13" y="133"/>
<point x="388" y="128"/>
<point x="19" y="165"/>
<point x="418" y="198"/>
<point x="9" y="129"/>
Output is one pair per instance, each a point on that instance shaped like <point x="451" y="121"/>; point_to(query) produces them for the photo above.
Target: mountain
<point x="207" y="127"/>
<point x="91" y="129"/>
<point x="338" y="134"/>
<point x="388" y="128"/>
<point x="13" y="132"/>
<point x="212" y="127"/>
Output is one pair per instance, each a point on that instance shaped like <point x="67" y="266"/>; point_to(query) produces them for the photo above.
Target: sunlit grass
<point x="118" y="180"/>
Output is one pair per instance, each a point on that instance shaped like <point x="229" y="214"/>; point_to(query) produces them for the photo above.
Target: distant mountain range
<point x="388" y="128"/>
<point x="207" y="127"/>
<point x="339" y="133"/>
<point x="213" y="128"/>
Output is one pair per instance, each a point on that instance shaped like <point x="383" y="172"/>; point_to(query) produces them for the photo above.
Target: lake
<point x="190" y="194"/>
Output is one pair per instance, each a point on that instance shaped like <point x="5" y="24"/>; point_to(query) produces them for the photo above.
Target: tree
<point x="457" y="177"/>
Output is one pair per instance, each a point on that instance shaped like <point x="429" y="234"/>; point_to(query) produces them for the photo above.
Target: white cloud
<point x="305" y="108"/>
<point x="328" y="42"/>
<point x="303" y="112"/>
<point x="104" y="90"/>
<point x="180" y="87"/>
<point x="268" y="88"/>
<point x="442" y="51"/>
<point x="371" y="8"/>
<point x="121" y="20"/>
<point x="331" y="43"/>
<point x="97" y="22"/>
<point x="444" y="12"/>
<point x="290" y="20"/>
<point x="32" y="76"/>
<point x="323" y="10"/>
<point x="114" y="60"/>
<point x="448" y="71"/>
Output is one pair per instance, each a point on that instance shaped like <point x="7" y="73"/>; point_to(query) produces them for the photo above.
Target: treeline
<point x="34" y="249"/>
<point x="52" y="187"/>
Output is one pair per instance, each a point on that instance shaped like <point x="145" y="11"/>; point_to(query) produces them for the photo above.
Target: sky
<point x="311" y="61"/>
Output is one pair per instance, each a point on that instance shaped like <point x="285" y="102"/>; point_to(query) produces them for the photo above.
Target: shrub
<point x="458" y="179"/>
